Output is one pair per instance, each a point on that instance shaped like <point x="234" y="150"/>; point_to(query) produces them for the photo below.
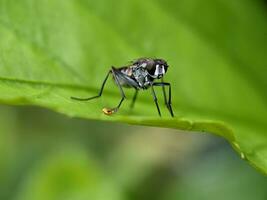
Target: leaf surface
<point x="51" y="50"/>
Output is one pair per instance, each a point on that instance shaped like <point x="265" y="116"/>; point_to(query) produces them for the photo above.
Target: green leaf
<point x="67" y="174"/>
<point x="51" y="50"/>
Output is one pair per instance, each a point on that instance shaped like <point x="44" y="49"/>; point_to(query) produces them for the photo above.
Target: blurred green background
<point x="47" y="156"/>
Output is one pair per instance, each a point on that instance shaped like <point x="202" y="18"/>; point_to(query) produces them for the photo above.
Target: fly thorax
<point x="140" y="74"/>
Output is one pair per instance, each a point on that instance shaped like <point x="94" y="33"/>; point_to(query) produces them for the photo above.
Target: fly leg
<point x="110" y="111"/>
<point x="168" y="103"/>
<point x="99" y="94"/>
<point x="134" y="98"/>
<point x="155" y="99"/>
<point x="164" y="92"/>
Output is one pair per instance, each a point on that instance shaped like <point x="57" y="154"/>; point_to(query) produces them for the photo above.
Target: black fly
<point x="140" y="74"/>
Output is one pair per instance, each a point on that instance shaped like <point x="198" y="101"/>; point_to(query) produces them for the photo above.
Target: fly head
<point x="156" y="68"/>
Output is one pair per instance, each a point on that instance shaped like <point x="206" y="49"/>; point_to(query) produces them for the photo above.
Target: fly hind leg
<point x="116" y="76"/>
<point x="99" y="94"/>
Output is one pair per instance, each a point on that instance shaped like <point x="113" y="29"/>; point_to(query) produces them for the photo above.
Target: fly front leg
<point x="168" y="103"/>
<point x="155" y="99"/>
<point x="134" y="98"/>
<point x="164" y="92"/>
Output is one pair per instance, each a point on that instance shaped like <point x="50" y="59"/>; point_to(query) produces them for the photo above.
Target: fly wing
<point x="125" y="80"/>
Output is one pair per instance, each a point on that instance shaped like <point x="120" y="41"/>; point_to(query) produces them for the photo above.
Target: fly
<point x="140" y="75"/>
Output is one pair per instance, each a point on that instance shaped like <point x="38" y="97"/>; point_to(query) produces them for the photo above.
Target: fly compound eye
<point x="165" y="68"/>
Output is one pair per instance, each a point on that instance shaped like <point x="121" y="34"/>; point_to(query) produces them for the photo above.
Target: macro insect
<point x="140" y="75"/>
